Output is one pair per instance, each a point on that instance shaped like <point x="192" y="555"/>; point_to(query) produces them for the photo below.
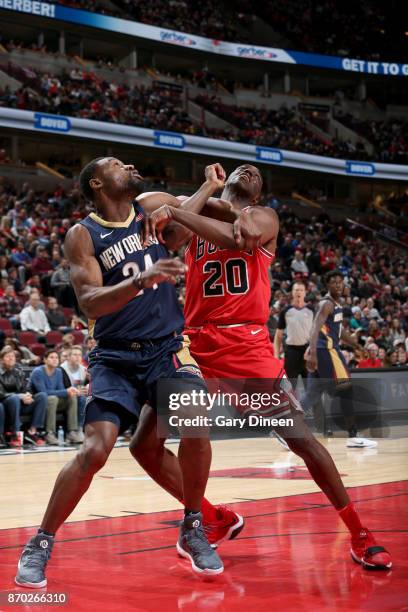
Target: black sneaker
<point x="3" y="443"/>
<point x="33" y="439"/>
<point x="33" y="561"/>
<point x="193" y="544"/>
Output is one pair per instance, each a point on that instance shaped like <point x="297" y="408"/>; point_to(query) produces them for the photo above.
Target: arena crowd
<point x="43" y="335"/>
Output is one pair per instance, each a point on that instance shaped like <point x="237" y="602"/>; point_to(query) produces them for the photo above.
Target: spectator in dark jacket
<point x="55" y="315"/>
<point x="61" y="284"/>
<point x="48" y="378"/>
<point x="17" y="400"/>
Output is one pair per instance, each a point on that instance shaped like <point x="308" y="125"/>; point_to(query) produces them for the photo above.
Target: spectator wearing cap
<point x="33" y="318"/>
<point x="17" y="399"/>
<point x="372" y="361"/>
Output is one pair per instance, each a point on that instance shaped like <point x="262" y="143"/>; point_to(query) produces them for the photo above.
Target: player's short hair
<point x="333" y="274"/>
<point x="50" y="352"/>
<point x="88" y="173"/>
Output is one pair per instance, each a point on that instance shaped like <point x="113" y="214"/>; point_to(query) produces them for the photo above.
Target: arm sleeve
<point x="3" y="392"/>
<point x="55" y="280"/>
<point x="22" y="386"/>
<point x="37" y="382"/>
<point x="45" y="324"/>
<point x="282" y="319"/>
<point x="65" y="377"/>
<point x="60" y="390"/>
<point x="24" y="319"/>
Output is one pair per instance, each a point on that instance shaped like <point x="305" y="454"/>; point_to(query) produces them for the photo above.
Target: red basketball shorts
<point x="242" y="353"/>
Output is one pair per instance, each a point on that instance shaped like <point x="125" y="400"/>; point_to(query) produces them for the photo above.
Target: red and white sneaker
<point x="365" y="550"/>
<point x="15" y="442"/>
<point x="227" y="527"/>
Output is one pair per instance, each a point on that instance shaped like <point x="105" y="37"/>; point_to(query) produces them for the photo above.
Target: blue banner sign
<point x="191" y="41"/>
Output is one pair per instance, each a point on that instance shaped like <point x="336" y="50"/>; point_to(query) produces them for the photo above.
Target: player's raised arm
<point x="152" y="200"/>
<point x="156" y="221"/>
<point x="255" y="227"/>
<point x="220" y="233"/>
<point x="216" y="208"/>
<point x="325" y="308"/>
<point x="86" y="277"/>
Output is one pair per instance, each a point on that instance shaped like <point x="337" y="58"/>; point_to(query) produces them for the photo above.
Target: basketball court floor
<point x="117" y="552"/>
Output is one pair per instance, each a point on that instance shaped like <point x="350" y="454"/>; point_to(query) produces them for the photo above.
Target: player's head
<point x="298" y="290"/>
<point x="335" y="283"/>
<point x="246" y="182"/>
<point x="109" y="177"/>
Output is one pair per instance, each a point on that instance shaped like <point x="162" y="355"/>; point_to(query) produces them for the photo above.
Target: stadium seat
<point x="53" y="338"/>
<point x="38" y="349"/>
<point x="78" y="336"/>
<point x="27" y="338"/>
<point x="5" y="325"/>
<point x="68" y="312"/>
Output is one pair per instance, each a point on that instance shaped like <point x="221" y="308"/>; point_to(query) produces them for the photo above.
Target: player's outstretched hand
<point x="155" y="223"/>
<point x="163" y="270"/>
<point x="247" y="234"/>
<point x="216" y="174"/>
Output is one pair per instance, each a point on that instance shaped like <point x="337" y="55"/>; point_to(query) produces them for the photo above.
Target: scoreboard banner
<point x="185" y="143"/>
<point x="200" y="43"/>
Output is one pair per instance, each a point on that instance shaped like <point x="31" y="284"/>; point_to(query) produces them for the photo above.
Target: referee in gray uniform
<point x="297" y="320"/>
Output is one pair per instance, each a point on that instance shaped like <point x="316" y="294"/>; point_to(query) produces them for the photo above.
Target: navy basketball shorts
<point x="331" y="364"/>
<point x="122" y="381"/>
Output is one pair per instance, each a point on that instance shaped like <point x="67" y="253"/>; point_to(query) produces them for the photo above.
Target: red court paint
<point x="293" y="554"/>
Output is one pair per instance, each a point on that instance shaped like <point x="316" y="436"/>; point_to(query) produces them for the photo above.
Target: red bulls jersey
<point x="226" y="286"/>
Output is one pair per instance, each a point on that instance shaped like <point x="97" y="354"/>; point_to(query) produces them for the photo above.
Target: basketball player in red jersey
<point x="227" y="306"/>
